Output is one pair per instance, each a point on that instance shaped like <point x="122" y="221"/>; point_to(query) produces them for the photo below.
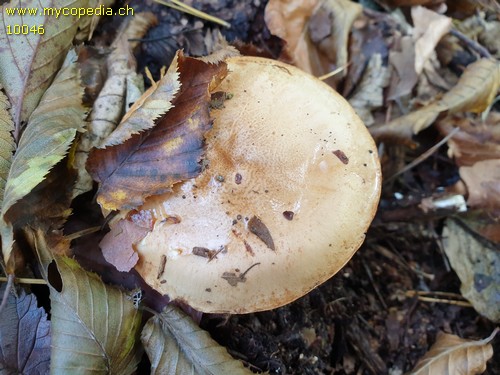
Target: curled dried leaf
<point x="451" y="354"/>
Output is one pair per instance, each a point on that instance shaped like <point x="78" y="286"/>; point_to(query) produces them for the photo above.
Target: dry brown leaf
<point x="7" y="145"/>
<point x="337" y="17"/>
<point x="476" y="140"/>
<point x="109" y="106"/>
<point x="149" y="163"/>
<point x="402" y="60"/>
<point x="483" y="184"/>
<point x="474" y="92"/>
<point x="288" y="20"/>
<point x="452" y="355"/>
<point x="430" y="27"/>
<point x="117" y="245"/>
<point x="369" y="92"/>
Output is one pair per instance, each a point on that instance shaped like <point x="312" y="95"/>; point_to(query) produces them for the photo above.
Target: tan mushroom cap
<point x="292" y="184"/>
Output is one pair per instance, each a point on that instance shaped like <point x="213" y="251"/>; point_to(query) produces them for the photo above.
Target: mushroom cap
<point x="291" y="186"/>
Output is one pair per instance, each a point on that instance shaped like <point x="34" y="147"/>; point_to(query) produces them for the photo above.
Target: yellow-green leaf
<point x="32" y="49"/>
<point x="6" y="142"/>
<point x="46" y="140"/>
<point x="176" y="345"/>
<point x="95" y="327"/>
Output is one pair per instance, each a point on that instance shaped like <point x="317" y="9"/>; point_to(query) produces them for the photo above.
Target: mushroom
<point x="291" y="186"/>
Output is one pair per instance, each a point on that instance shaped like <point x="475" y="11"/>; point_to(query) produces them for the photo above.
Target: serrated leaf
<point x="156" y="101"/>
<point x="149" y="163"/>
<point x="95" y="327"/>
<point x="46" y="140"/>
<point x="29" y="63"/>
<point x="7" y="145"/>
<point x="474" y="92"/>
<point x="176" y="345"/>
<point x="119" y="91"/>
<point x="24" y="336"/>
<point x="451" y="355"/>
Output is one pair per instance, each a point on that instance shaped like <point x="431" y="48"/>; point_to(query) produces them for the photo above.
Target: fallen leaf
<point x="288" y="20"/>
<point x="95" y="327"/>
<point x="176" y="345"/>
<point x="429" y="28"/>
<point x="483" y="184"/>
<point x="476" y="262"/>
<point x="115" y="96"/>
<point x="474" y="92"/>
<point x="369" y="94"/>
<point x="7" y="145"/>
<point x="451" y="354"/>
<point x="29" y="62"/>
<point x="333" y="42"/>
<point x="117" y="245"/>
<point x="402" y="59"/>
<point x="24" y="336"/>
<point x="46" y="140"/>
<point x="154" y="103"/>
<point x="149" y="163"/>
<point x="477" y="140"/>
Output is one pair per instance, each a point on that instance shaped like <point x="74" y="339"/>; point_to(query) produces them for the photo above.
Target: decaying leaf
<point x="88" y="24"/>
<point x="430" y="27"/>
<point x="316" y="32"/>
<point x="95" y="327"/>
<point x="24" y="336"/>
<point x="154" y="103"/>
<point x="476" y="141"/>
<point x="46" y="140"/>
<point x="30" y="61"/>
<point x="288" y="20"/>
<point x="476" y="262"/>
<point x="474" y="92"/>
<point x="115" y="97"/>
<point x="117" y="245"/>
<point x="369" y="92"/>
<point x="451" y="354"/>
<point x="176" y="345"/>
<point x="483" y="184"/>
<point x="7" y="145"/>
<point x="149" y="163"/>
<point x="402" y="60"/>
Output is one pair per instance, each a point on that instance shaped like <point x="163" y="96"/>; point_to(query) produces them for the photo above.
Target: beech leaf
<point x="149" y="163"/>
<point x="95" y="327"/>
<point x="46" y="140"/>
<point x="451" y="354"/>
<point x="24" y="336"/>
<point x="474" y="92"/>
<point x="7" y="145"/>
<point x="176" y="345"/>
<point x="156" y="101"/>
<point x="475" y="261"/>
<point x="29" y="62"/>
<point x="116" y="94"/>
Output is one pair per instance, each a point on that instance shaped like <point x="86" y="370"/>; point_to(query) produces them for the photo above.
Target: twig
<point x="483" y="52"/>
<point x="5" y="298"/>
<point x="375" y="288"/>
<point x="424" y="156"/>
<point x="334" y="72"/>
<point x="24" y="280"/>
<point x="180" y="6"/>
<point x="421" y="297"/>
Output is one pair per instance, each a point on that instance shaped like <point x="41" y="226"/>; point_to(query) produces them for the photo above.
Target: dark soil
<point x="362" y="321"/>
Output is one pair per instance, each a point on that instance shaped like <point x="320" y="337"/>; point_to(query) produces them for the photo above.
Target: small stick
<point x="180" y="6"/>
<point x="483" y="52"/>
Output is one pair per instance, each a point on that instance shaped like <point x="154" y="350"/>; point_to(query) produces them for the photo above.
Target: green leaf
<point x="7" y="145"/>
<point x="45" y="142"/>
<point x="29" y="62"/>
<point x="176" y="345"/>
<point x="95" y="327"/>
